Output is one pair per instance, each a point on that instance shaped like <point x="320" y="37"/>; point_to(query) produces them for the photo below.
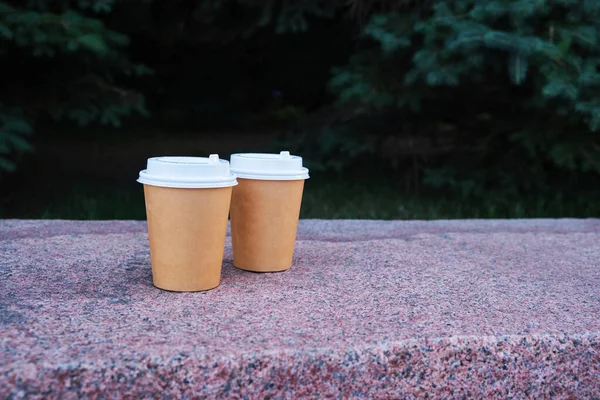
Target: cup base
<point x="263" y="271"/>
<point x="185" y="290"/>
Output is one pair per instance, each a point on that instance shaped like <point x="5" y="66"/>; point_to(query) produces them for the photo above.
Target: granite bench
<point x="388" y="309"/>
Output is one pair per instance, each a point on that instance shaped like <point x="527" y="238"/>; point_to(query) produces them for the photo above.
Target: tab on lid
<point x="264" y="166"/>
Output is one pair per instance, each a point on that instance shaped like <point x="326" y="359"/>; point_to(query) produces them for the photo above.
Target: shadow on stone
<point x="8" y="317"/>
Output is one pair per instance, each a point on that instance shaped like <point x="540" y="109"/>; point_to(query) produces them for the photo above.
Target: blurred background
<point x="410" y="109"/>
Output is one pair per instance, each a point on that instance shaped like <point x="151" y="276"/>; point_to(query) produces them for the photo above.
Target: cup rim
<point x="186" y="183"/>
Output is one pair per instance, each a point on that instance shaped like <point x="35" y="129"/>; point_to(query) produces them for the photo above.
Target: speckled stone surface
<point x="442" y="309"/>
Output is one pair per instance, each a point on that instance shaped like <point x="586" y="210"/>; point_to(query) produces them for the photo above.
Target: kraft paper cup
<point x="265" y="208"/>
<point x="187" y="204"/>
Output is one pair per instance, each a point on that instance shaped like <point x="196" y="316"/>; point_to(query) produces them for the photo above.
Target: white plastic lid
<point x="188" y="172"/>
<point x="262" y="166"/>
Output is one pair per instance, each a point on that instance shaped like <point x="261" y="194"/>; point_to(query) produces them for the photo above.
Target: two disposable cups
<point x="188" y="200"/>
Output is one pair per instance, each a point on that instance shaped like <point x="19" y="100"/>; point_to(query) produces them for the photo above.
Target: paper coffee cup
<point x="187" y="204"/>
<point x="265" y="208"/>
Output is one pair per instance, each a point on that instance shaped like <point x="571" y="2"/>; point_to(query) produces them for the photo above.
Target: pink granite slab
<point x="370" y="309"/>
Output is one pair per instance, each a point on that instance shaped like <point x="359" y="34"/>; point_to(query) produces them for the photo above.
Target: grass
<point x="94" y="178"/>
<point x="363" y="200"/>
<point x="324" y="197"/>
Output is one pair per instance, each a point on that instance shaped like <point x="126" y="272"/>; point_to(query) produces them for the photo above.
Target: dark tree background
<point x="402" y="109"/>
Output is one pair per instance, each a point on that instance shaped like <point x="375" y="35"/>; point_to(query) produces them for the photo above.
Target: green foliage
<point x="70" y="64"/>
<point x="293" y="15"/>
<point x="531" y="65"/>
<point x="224" y="21"/>
<point x="330" y="150"/>
<point x="14" y="130"/>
